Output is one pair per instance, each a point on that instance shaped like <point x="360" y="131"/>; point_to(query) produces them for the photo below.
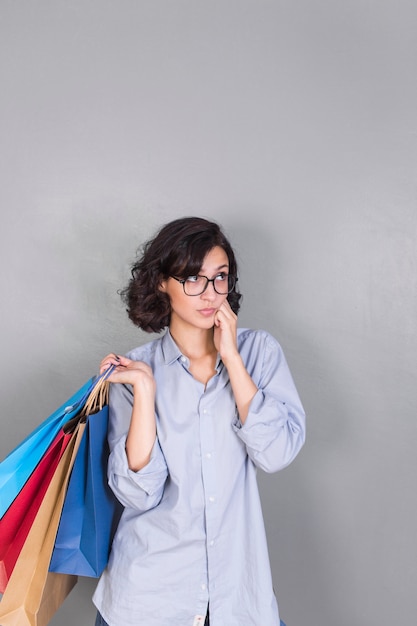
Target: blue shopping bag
<point x="16" y="468"/>
<point x="91" y="511"/>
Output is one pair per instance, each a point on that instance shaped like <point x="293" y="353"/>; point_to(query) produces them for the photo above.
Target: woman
<point x="193" y="414"/>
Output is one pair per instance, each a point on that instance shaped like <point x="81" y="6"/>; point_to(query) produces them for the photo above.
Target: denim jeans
<point x="100" y="621"/>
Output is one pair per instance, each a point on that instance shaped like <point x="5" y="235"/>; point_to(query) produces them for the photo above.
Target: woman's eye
<point x="220" y="277"/>
<point x="192" y="279"/>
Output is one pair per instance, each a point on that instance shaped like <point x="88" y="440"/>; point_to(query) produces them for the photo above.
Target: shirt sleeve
<point x="274" y="430"/>
<point x="140" y="490"/>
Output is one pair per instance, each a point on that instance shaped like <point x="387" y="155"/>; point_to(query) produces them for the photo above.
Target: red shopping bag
<point x="33" y="594"/>
<point x="18" y="519"/>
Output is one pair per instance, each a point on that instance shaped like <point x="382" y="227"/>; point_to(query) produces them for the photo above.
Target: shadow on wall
<point x="297" y="503"/>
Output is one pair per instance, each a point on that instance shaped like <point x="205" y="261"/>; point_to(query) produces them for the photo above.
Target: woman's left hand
<point x="225" y="331"/>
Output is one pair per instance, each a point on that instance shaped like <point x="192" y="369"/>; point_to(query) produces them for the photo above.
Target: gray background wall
<point x="294" y="125"/>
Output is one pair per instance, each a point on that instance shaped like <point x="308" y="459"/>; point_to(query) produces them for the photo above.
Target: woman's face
<point x="197" y="311"/>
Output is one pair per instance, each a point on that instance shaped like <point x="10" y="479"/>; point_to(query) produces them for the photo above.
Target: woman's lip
<point x="207" y="312"/>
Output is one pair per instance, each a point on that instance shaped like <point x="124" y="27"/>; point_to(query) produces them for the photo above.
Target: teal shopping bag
<point x="16" y="468"/>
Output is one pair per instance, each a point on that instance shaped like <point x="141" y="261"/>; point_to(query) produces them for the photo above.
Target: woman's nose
<point x="209" y="292"/>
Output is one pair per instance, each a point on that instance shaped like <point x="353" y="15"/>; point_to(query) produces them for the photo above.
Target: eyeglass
<point x="196" y="285"/>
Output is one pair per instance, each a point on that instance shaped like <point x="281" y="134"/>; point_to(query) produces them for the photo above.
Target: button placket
<point x="210" y="482"/>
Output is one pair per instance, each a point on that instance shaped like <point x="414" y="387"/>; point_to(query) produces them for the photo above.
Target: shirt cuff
<point x="149" y="478"/>
<point x="261" y="424"/>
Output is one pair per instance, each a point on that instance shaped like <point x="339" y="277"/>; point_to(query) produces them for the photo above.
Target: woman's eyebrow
<point x="217" y="269"/>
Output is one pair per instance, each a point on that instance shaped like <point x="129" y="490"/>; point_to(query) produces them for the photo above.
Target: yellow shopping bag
<point x="33" y="594"/>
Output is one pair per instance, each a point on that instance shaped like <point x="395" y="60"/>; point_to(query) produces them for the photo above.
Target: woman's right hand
<point x="142" y="430"/>
<point x="128" y="372"/>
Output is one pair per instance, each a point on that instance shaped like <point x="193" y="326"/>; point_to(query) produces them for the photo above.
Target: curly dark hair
<point x="178" y="249"/>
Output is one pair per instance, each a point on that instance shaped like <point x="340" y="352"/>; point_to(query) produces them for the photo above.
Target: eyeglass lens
<point x="196" y="285"/>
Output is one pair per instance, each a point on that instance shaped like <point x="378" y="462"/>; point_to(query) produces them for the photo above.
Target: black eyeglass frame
<point x="231" y="282"/>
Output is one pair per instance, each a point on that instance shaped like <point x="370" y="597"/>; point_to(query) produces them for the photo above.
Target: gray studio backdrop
<point x="294" y="124"/>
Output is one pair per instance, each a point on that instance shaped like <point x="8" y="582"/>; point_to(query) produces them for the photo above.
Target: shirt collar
<point x="170" y="350"/>
<point x="172" y="353"/>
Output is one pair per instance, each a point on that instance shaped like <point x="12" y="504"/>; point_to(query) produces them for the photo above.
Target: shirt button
<point x="203" y="587"/>
<point x="208" y="455"/>
<point x="212" y="499"/>
<point x="212" y="542"/>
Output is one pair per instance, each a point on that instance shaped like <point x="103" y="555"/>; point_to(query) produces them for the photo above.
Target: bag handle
<point x="96" y="399"/>
<point x="99" y="395"/>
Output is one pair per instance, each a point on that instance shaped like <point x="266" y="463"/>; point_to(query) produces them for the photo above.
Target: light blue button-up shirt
<point x="192" y="531"/>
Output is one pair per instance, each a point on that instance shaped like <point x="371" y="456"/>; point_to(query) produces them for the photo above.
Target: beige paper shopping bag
<point x="33" y="594"/>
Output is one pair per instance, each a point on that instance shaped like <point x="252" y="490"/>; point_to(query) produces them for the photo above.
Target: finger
<point x="105" y="366"/>
<point x="227" y="310"/>
<point x="226" y="317"/>
<point x="109" y="360"/>
<point x="218" y="318"/>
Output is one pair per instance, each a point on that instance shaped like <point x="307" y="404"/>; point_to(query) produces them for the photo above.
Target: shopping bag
<point x="16" y="522"/>
<point x="29" y="596"/>
<point x="57" y="588"/>
<point x="16" y="468"/>
<point x="91" y="511"/>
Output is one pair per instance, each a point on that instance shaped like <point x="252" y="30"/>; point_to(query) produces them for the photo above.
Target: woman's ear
<point x="162" y="286"/>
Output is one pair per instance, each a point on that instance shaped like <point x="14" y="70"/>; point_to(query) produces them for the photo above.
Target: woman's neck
<point x="195" y="344"/>
<point x="198" y="347"/>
